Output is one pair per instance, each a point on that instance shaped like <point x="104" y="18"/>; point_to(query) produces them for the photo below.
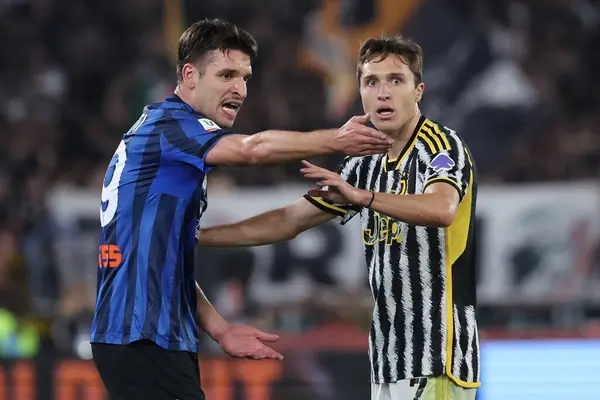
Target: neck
<point x="184" y="95"/>
<point x="402" y="135"/>
<point x="178" y="91"/>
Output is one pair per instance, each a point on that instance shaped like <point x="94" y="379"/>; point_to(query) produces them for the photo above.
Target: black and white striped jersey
<point x="422" y="278"/>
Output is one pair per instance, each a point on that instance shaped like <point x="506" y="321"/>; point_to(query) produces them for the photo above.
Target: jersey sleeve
<point x="192" y="138"/>
<point x="343" y="212"/>
<point x="451" y="165"/>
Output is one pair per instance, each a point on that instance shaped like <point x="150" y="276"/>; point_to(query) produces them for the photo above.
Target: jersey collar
<point x="177" y="102"/>
<point x="407" y="149"/>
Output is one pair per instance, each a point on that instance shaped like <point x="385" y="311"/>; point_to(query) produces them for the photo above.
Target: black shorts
<point x="143" y="370"/>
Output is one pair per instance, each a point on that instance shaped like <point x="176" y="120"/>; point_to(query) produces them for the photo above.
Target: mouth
<point x="232" y="107"/>
<point x="384" y="112"/>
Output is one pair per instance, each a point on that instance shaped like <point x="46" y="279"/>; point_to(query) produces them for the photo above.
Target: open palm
<point x="245" y="341"/>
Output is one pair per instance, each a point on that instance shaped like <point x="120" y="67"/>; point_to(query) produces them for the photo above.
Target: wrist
<point x="330" y="142"/>
<point x="218" y="330"/>
<point x="367" y="198"/>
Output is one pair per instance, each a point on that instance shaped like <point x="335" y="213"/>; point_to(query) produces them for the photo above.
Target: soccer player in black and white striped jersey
<point x="416" y="205"/>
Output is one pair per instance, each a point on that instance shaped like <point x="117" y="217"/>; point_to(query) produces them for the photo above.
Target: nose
<point x="240" y="88"/>
<point x="384" y="92"/>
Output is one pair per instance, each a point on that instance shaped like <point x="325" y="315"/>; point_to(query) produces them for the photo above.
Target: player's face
<point x="220" y="87"/>
<point x="389" y="93"/>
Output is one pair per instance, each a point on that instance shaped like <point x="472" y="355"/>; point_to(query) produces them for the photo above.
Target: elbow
<point x="445" y="215"/>
<point x="291" y="234"/>
<point x="292" y="230"/>
<point x="445" y="219"/>
<point x="257" y="156"/>
<point x="255" y="150"/>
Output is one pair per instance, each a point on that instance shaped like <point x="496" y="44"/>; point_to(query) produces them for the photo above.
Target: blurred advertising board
<point x="536" y="244"/>
<point x="542" y="369"/>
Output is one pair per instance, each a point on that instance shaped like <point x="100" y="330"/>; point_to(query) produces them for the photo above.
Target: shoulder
<point x="435" y="137"/>
<point x="193" y="123"/>
<point x="446" y="132"/>
<point x="443" y="145"/>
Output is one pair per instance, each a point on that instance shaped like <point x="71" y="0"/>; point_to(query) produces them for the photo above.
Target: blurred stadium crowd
<point x="520" y="80"/>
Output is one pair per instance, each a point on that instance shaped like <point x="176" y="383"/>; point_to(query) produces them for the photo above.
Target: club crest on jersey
<point x="442" y="162"/>
<point x="208" y="125"/>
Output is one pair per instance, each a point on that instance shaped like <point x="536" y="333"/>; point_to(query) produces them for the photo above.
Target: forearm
<point x="272" y="147"/>
<point x="207" y="318"/>
<point x="266" y="228"/>
<point x="422" y="209"/>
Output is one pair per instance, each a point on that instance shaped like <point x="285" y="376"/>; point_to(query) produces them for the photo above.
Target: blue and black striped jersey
<point x="153" y="197"/>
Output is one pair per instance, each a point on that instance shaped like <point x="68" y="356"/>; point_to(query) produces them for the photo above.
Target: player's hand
<point x="356" y="139"/>
<point x="243" y="341"/>
<point x="338" y="190"/>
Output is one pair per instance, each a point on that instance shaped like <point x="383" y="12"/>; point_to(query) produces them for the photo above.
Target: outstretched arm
<point x="240" y="341"/>
<point x="207" y="318"/>
<point x="272" y="147"/>
<point x="436" y="207"/>
<point x="273" y="226"/>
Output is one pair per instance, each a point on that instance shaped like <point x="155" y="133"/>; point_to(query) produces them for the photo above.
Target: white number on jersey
<point x="112" y="180"/>
<point x="110" y="190"/>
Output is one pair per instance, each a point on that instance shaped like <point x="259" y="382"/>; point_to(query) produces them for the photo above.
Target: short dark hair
<point x="212" y="34"/>
<point x="384" y="46"/>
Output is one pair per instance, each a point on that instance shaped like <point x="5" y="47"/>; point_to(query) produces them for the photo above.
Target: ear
<point x="189" y="75"/>
<point x="419" y="92"/>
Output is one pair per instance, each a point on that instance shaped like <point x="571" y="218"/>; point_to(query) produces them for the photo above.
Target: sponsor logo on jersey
<point x="208" y="125"/>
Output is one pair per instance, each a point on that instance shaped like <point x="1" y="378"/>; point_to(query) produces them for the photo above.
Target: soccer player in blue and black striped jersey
<point x="149" y="308"/>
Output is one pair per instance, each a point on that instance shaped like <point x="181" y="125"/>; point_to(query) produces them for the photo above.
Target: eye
<point x="396" y="81"/>
<point x="371" y="82"/>
<point x="228" y="75"/>
<point x="246" y="78"/>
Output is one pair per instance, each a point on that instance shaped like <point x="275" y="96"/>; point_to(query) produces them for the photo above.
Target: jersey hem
<point x="216" y="139"/>
<point x="324" y="206"/>
<point x="450" y="181"/>
<point x="160" y="341"/>
<point x="459" y="382"/>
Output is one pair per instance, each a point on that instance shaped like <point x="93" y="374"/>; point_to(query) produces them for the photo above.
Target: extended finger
<point x="328" y="182"/>
<point x="366" y="139"/>
<point x="368" y="150"/>
<point x="375" y="135"/>
<point x="309" y="170"/>
<point x="318" y="170"/>
<point x="309" y="166"/>
<point x="267" y="337"/>
<point x="323" y="194"/>
<point x="321" y="175"/>
<point x="316" y="175"/>
<point x="270" y="353"/>
<point x="265" y="352"/>
<point x="373" y="149"/>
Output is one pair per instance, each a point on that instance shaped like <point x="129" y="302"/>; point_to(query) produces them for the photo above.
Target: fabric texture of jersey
<point x="422" y="278"/>
<point x="153" y="197"/>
